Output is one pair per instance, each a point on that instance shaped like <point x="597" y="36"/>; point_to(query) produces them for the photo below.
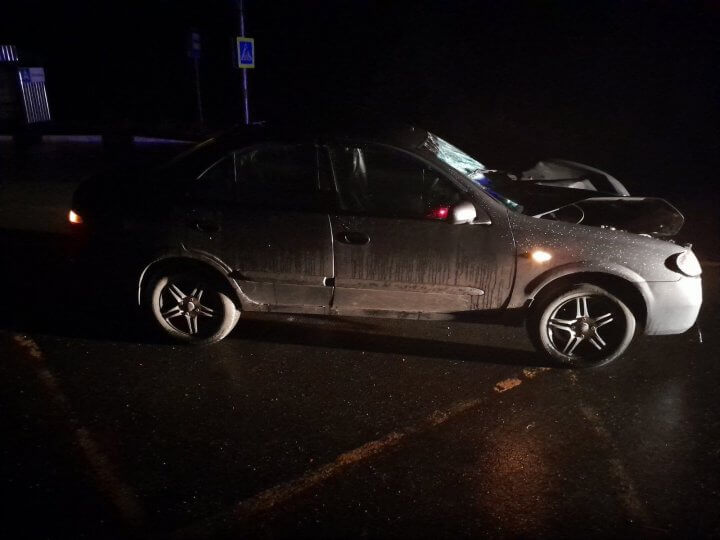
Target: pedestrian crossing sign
<point x="245" y="52"/>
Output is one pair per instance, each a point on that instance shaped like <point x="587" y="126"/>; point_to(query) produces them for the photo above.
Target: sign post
<point x="194" y="49"/>
<point x="245" y="53"/>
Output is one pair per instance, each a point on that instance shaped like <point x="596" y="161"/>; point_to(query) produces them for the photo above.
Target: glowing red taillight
<point x="439" y="212"/>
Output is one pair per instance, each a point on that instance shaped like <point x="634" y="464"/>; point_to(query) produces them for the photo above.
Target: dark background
<point x="631" y="87"/>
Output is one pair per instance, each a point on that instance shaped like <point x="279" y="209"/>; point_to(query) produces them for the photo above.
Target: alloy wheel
<point x="586" y="327"/>
<point x="190" y="309"/>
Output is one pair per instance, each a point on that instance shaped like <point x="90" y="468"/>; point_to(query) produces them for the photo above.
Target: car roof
<point x="361" y="128"/>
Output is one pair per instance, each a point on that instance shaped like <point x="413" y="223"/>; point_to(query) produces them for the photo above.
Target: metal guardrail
<point x="34" y="95"/>
<point x="96" y="139"/>
<point x="8" y="53"/>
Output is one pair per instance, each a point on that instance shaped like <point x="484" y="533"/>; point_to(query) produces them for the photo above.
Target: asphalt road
<point x="307" y="426"/>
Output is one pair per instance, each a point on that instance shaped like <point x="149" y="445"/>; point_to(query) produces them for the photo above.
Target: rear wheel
<point x="192" y="307"/>
<point x="581" y="326"/>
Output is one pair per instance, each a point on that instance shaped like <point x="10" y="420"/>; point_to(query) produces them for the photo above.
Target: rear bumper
<point x="672" y="306"/>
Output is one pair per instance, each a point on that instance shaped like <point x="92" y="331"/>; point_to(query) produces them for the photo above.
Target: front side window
<point x="381" y="181"/>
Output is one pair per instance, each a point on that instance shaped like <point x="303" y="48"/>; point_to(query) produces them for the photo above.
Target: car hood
<point x="642" y="215"/>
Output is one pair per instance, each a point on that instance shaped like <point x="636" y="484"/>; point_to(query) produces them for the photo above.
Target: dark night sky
<point x="600" y="82"/>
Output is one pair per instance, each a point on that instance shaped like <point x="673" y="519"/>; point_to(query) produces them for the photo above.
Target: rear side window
<point x="217" y="183"/>
<point x="278" y="176"/>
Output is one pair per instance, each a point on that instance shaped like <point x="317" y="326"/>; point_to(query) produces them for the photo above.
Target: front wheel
<point x="191" y="307"/>
<point x="581" y="326"/>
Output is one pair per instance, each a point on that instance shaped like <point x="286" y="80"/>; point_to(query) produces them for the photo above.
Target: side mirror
<point x="465" y="212"/>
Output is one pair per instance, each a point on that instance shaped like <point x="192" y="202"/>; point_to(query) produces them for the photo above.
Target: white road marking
<point x="531" y="373"/>
<point x="269" y="498"/>
<point x="507" y="384"/>
<point x="626" y="486"/>
<point x="282" y="493"/>
<point x="119" y="492"/>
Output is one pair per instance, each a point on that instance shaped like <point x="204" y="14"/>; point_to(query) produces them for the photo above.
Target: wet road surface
<point x="317" y="427"/>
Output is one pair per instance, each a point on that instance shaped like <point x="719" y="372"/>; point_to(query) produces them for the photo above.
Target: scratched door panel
<point x="280" y="231"/>
<point x="283" y="257"/>
<point x="421" y="265"/>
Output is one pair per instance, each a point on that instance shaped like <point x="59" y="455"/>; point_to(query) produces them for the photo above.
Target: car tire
<point x="581" y="325"/>
<point x="191" y="307"/>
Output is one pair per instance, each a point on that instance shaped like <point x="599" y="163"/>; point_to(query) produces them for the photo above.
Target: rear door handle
<point x="204" y="225"/>
<point x="355" y="238"/>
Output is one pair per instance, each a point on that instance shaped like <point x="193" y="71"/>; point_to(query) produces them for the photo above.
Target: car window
<point x="284" y="176"/>
<point x="381" y="181"/>
<point x="216" y="183"/>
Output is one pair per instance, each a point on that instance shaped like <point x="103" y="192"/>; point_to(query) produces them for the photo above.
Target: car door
<point x="266" y="220"/>
<point x="395" y="249"/>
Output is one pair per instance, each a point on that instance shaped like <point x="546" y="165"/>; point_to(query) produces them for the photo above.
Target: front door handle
<point x="355" y="238"/>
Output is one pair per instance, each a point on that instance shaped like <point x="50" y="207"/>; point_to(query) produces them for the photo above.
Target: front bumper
<point x="672" y="306"/>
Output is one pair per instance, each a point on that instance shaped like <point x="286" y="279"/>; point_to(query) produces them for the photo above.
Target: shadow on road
<point x="352" y="336"/>
<point x="48" y="291"/>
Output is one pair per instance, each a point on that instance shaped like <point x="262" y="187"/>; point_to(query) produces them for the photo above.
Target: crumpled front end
<point x="566" y="173"/>
<point x="666" y="275"/>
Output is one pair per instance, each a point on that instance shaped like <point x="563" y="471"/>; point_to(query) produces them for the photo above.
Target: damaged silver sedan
<point x="389" y="222"/>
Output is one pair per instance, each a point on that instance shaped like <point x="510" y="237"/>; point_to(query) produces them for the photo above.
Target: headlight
<point x="685" y="263"/>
